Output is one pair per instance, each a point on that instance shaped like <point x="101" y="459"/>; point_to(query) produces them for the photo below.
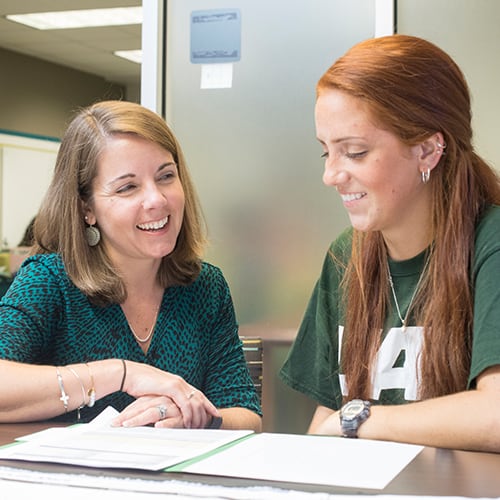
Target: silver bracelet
<point x="91" y="391"/>
<point x="64" y="397"/>
<point x="83" y="391"/>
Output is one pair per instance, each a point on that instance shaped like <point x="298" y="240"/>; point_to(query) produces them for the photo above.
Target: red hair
<point x="414" y="89"/>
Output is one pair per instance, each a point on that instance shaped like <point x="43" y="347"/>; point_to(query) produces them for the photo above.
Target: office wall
<point x="26" y="167"/>
<point x="37" y="97"/>
<point x="252" y="148"/>
<point x="469" y="31"/>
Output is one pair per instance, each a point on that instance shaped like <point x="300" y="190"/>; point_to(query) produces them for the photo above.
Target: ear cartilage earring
<point x="426" y="175"/>
<point x="93" y="235"/>
<point x="441" y="146"/>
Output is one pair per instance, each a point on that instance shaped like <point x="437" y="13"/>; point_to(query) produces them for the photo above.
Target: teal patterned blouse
<point x="45" y="319"/>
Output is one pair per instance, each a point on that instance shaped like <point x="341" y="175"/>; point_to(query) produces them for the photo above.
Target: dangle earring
<point x="426" y="175"/>
<point x="92" y="234"/>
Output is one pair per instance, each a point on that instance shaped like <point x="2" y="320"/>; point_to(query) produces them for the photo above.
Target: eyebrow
<point x="342" y="139"/>
<point x="129" y="175"/>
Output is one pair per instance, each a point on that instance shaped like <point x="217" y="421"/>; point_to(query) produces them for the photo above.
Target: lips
<point x="154" y="226"/>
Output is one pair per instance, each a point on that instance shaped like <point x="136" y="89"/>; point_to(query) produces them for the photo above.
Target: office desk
<point x="434" y="472"/>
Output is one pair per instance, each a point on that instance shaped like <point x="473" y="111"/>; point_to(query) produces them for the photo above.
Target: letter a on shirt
<point x="388" y="370"/>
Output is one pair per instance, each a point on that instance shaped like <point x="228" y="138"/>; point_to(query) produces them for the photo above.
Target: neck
<point x="412" y="234"/>
<point x="406" y="248"/>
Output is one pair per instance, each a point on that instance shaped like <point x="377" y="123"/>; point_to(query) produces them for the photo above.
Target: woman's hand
<point x="158" y="410"/>
<point x="162" y="398"/>
<point x="161" y="411"/>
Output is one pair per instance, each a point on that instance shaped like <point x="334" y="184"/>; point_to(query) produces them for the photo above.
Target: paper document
<point x="325" y="460"/>
<point x="145" y="448"/>
<point x="293" y="458"/>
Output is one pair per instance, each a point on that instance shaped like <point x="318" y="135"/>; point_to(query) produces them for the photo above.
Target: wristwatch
<point x="352" y="415"/>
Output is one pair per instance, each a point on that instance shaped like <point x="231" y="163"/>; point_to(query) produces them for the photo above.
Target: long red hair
<point x="414" y="89"/>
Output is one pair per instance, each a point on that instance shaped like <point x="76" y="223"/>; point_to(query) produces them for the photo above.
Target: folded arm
<point x="35" y="392"/>
<point x="468" y="420"/>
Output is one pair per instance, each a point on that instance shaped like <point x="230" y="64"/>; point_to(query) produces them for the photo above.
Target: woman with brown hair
<point x="407" y="307"/>
<point x="116" y="306"/>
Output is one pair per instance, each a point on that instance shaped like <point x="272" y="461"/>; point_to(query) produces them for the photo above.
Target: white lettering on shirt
<point x="384" y="374"/>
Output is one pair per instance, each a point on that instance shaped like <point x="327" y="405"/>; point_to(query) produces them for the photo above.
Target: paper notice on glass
<point x="145" y="448"/>
<point x="217" y="76"/>
<point x="357" y="463"/>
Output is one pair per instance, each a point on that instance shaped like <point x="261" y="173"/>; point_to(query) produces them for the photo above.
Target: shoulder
<point x="339" y="253"/>
<point x="341" y="246"/>
<point x="209" y="270"/>
<point x="210" y="282"/>
<point x="488" y="231"/>
<point x="41" y="266"/>
<point x="490" y="220"/>
<point x="40" y="279"/>
<point x="210" y="273"/>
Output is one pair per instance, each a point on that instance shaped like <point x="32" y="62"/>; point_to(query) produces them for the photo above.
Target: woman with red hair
<point x="400" y="338"/>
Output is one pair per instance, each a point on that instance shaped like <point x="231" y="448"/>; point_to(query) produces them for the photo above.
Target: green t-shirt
<point x="312" y="365"/>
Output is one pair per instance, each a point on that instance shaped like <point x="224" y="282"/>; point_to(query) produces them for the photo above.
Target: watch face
<point x="352" y="409"/>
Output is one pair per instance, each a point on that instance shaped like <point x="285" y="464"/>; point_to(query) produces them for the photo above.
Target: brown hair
<point x="60" y="225"/>
<point x="414" y="89"/>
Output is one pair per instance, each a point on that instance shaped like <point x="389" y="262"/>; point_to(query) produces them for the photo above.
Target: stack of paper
<point x="291" y="458"/>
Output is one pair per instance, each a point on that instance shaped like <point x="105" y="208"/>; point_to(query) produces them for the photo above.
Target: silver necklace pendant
<point x="404" y="321"/>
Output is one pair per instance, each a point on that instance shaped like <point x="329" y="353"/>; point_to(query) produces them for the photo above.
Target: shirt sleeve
<point x="486" y="329"/>
<point x="312" y="364"/>
<point x="228" y="383"/>
<point x="29" y="313"/>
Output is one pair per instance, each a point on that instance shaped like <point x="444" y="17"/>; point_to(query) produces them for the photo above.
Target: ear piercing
<point x="426" y="175"/>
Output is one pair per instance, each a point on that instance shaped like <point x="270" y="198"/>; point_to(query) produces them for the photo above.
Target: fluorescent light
<point x="131" y="55"/>
<point x="80" y="18"/>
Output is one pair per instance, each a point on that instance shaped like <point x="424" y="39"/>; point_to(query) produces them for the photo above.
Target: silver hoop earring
<point x="93" y="235"/>
<point x="441" y="147"/>
<point x="426" y="175"/>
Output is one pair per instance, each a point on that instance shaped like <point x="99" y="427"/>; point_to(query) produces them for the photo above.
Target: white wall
<point x="26" y="167"/>
<point x="469" y="30"/>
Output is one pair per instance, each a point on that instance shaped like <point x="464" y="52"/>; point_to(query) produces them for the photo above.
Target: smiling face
<point x="138" y="200"/>
<point x="377" y="175"/>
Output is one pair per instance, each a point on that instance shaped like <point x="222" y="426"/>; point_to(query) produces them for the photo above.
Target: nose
<point x="153" y="196"/>
<point x="333" y="175"/>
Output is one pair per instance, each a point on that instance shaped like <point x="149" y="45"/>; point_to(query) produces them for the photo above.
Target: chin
<point x="363" y="228"/>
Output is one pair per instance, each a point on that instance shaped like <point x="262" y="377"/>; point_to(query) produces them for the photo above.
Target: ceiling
<point x="87" y="49"/>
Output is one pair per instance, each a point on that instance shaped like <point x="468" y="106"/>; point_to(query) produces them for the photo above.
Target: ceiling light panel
<point x="131" y="55"/>
<point x="71" y="19"/>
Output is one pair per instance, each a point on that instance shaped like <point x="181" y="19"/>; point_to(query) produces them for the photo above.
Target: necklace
<point x="405" y="319"/>
<point x="150" y="333"/>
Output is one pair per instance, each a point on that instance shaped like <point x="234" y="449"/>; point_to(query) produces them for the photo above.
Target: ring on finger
<point x="162" y="410"/>
<point x="191" y="394"/>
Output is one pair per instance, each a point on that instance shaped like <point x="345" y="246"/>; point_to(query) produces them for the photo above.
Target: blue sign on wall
<point x="215" y="36"/>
